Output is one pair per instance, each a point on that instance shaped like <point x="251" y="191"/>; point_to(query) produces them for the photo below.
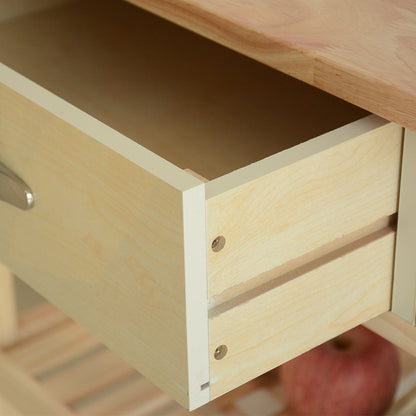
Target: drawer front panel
<point x="105" y="241"/>
<point x="318" y="192"/>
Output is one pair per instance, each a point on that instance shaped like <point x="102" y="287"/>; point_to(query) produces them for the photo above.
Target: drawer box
<point x="199" y="284"/>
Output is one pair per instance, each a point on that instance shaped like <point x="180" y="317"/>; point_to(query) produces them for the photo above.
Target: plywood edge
<point x="292" y="155"/>
<point x="132" y="151"/>
<point x="196" y="288"/>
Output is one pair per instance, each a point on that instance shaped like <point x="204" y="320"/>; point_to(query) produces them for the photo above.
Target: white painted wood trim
<point x="404" y="283"/>
<point x="196" y="287"/>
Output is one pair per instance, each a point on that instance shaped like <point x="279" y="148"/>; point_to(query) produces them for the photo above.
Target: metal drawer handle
<point x="13" y="190"/>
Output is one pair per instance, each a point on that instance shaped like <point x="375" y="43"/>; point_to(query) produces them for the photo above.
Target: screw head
<point x="220" y="352"/>
<point x="218" y="244"/>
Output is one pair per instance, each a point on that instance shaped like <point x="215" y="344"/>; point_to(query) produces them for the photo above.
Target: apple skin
<point x="356" y="373"/>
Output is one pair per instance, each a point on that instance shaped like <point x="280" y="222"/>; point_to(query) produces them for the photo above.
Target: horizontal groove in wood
<point x="301" y="313"/>
<point x="303" y="205"/>
<point x="266" y="281"/>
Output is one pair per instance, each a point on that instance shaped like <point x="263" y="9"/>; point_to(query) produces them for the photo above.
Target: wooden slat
<point x="87" y="377"/>
<point x="117" y="242"/>
<point x="137" y="396"/>
<point x="396" y="330"/>
<point x="51" y="348"/>
<point x="127" y="77"/>
<point x="361" y="52"/>
<point x="39" y="319"/>
<point x="305" y="309"/>
<point x="25" y="394"/>
<point x="8" y="307"/>
<point x="302" y="199"/>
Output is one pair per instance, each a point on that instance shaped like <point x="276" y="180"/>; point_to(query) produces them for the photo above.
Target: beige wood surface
<point x="363" y="52"/>
<point x="118" y="248"/>
<point x="25" y="395"/>
<point x="396" y="330"/>
<point x="7" y="408"/>
<point x="404" y="283"/>
<point x="195" y="103"/>
<point x="306" y="308"/>
<point x="302" y="199"/>
<point x="8" y="308"/>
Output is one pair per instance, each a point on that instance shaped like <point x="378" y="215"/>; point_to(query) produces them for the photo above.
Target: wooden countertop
<point x="361" y="51"/>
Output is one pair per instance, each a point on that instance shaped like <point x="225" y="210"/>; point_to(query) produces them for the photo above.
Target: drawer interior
<point x="191" y="101"/>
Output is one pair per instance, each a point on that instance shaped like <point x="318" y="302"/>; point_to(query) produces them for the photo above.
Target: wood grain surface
<point x="302" y="199"/>
<point x="91" y="243"/>
<point x="361" y="51"/>
<point x="303" y="310"/>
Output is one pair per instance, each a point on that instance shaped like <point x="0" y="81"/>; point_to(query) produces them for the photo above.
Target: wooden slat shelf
<point x="69" y="372"/>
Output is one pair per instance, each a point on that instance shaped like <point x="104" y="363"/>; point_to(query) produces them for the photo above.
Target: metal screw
<point x="220" y="352"/>
<point x="218" y="244"/>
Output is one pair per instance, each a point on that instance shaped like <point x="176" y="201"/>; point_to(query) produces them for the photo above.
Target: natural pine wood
<point x="193" y="102"/>
<point x="117" y="242"/>
<point x="305" y="309"/>
<point x="363" y="52"/>
<point x="24" y="394"/>
<point x="99" y="383"/>
<point x="302" y="199"/>
<point x="8" y="308"/>
<point x="396" y="330"/>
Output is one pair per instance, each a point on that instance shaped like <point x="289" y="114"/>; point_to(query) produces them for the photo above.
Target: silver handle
<point x="13" y="190"/>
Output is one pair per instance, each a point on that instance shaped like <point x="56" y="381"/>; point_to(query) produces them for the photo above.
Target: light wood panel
<point x="8" y="308"/>
<point x="299" y="200"/>
<point x="404" y="283"/>
<point x="119" y="248"/>
<point x="396" y="330"/>
<point x="185" y="98"/>
<point x="360" y="51"/>
<point x="25" y="395"/>
<point x="43" y="353"/>
<point x="305" y="309"/>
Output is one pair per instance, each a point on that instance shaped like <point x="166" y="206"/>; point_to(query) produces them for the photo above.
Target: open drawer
<point x="201" y="285"/>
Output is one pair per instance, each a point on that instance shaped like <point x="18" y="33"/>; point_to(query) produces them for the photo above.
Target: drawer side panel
<point x="104" y="242"/>
<point x="315" y="199"/>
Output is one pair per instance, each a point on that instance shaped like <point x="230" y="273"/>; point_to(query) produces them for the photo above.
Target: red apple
<point x="356" y="373"/>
